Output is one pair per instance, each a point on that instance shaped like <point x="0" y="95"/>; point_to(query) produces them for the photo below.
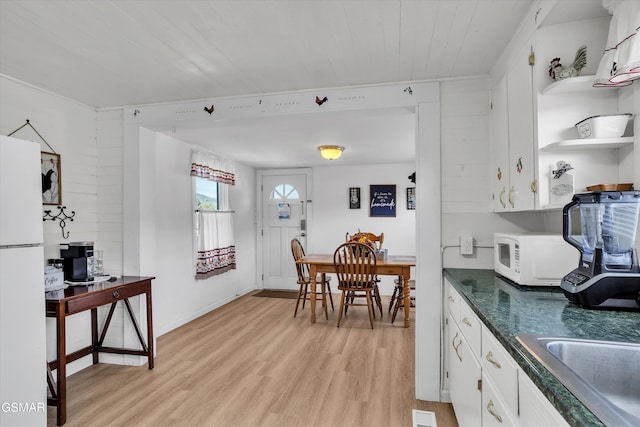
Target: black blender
<point x="608" y="275"/>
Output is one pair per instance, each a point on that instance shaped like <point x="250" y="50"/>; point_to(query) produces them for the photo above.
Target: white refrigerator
<point x="23" y="384"/>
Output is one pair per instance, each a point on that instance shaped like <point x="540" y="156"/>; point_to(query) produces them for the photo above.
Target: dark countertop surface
<point x="508" y="310"/>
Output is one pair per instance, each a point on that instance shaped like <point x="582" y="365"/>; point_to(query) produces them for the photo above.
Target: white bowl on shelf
<point x="605" y="126"/>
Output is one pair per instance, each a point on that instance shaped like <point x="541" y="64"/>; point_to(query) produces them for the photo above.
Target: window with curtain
<point x="215" y="246"/>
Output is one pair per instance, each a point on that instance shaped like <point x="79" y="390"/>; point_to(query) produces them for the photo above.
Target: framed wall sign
<point x="354" y="198"/>
<point x="51" y="180"/>
<point x="382" y="200"/>
<point x="411" y="198"/>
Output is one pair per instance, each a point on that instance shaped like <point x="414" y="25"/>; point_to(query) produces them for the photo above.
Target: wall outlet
<point x="466" y="245"/>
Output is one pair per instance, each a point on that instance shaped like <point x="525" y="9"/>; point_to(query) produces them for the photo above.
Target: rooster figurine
<point x="558" y="72"/>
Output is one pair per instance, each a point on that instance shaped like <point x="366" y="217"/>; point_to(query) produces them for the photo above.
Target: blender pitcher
<point x="608" y="224"/>
<point x="619" y="225"/>
<point x="589" y="221"/>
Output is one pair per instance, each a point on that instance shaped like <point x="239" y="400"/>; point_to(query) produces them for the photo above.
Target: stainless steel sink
<point x="603" y="375"/>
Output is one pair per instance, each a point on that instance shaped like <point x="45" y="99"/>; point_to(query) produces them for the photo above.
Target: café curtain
<point x="216" y="252"/>
<point x="212" y="167"/>
<point x="620" y="63"/>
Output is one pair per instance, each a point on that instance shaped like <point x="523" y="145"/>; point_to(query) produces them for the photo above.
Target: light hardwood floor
<point x="250" y="363"/>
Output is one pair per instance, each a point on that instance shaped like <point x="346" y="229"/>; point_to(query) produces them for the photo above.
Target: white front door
<point x="284" y="215"/>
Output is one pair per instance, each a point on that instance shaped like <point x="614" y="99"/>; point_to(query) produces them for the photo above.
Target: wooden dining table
<point x="392" y="266"/>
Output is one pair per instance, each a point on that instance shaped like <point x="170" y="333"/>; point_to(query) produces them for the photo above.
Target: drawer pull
<point x="451" y="299"/>
<point x="493" y="361"/>
<point x="116" y="294"/>
<point x="491" y="410"/>
<point x="466" y="322"/>
<point x="456" y="347"/>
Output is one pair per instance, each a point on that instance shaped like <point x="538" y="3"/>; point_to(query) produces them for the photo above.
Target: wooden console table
<point x="76" y="299"/>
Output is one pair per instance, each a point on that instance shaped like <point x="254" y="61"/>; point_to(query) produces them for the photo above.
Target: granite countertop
<point x="508" y="310"/>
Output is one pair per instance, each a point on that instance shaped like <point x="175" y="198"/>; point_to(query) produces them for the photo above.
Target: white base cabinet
<point x="465" y="379"/>
<point x="486" y="386"/>
<point x="535" y="410"/>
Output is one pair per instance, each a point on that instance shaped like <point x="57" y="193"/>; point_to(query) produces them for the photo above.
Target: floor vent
<point x="424" y="419"/>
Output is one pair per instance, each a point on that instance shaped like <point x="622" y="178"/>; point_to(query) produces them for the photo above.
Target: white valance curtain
<point x="216" y="251"/>
<point x="620" y="64"/>
<point x="212" y="167"/>
<point x="216" y="248"/>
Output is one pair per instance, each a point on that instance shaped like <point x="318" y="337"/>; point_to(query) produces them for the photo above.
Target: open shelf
<point x="569" y="85"/>
<point x="589" y="144"/>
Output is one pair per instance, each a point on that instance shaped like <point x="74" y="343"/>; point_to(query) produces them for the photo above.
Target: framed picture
<point x="382" y="200"/>
<point x="51" y="179"/>
<point x="411" y="198"/>
<point x="354" y="198"/>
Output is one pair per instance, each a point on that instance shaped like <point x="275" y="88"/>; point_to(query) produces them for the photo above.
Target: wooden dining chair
<point x="376" y="240"/>
<point x="304" y="279"/>
<point x="399" y="299"/>
<point x="355" y="265"/>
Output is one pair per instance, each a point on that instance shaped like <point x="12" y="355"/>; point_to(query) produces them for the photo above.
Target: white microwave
<point x="534" y="259"/>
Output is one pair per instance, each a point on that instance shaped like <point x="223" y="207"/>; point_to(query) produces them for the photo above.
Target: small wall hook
<point x="62" y="217"/>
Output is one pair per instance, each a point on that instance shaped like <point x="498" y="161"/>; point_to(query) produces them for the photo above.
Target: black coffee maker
<point x="77" y="261"/>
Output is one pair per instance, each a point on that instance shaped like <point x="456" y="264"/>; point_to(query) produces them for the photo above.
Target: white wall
<point x="91" y="146"/>
<point x="466" y="185"/>
<point x="166" y="238"/>
<point x="109" y="171"/>
<point x="332" y="218"/>
<point x="70" y="128"/>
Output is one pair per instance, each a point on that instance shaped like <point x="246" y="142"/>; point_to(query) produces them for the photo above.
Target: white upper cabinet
<point x="512" y="131"/>
<point x="533" y="118"/>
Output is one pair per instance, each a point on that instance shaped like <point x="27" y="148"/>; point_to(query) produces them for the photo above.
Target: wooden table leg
<point x="61" y="371"/>
<point x="312" y="273"/>
<point x="94" y="334"/>
<point x="406" y="291"/>
<point x="149" y="329"/>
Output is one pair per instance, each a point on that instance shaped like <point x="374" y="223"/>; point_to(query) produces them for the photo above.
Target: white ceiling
<point x="131" y="52"/>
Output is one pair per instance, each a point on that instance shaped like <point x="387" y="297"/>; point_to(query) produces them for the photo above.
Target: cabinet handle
<point x="502" y="197"/>
<point x="456" y="347"/>
<point x="491" y="410"/>
<point x="511" y="191"/>
<point x="466" y="322"/>
<point x="451" y="299"/>
<point x="493" y="361"/>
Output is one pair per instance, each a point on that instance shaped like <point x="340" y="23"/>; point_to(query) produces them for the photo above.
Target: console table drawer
<point x="112" y="295"/>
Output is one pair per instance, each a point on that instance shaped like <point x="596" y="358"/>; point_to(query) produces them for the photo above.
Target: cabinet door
<point x="494" y="411"/>
<point x="452" y="301"/>
<point x="499" y="145"/>
<point x="521" y="137"/>
<point x="535" y="409"/>
<point x="464" y="378"/>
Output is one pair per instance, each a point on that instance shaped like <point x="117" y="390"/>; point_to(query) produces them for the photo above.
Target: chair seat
<point x="307" y="279"/>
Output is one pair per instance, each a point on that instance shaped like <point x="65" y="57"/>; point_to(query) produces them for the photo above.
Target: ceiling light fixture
<point x="331" y="152"/>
